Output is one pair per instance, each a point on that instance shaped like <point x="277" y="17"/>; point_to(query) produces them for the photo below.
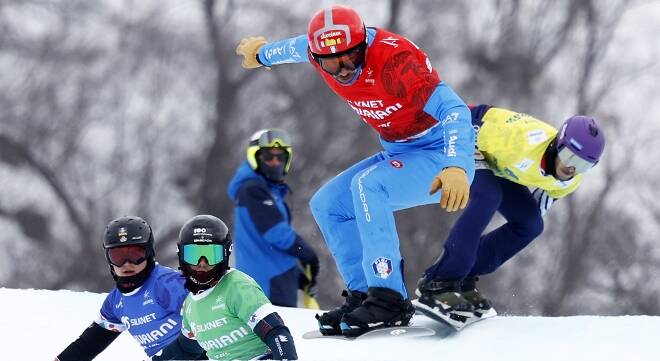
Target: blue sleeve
<point x="264" y="213"/>
<point x="108" y="309"/>
<point x="449" y="109"/>
<point x="287" y="51"/>
<point x="170" y="291"/>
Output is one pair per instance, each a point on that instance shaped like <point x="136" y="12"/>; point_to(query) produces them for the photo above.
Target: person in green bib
<point x="226" y="311"/>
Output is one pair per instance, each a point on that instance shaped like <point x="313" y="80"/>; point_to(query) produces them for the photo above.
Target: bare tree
<point x="579" y="241"/>
<point x="81" y="137"/>
<point x="513" y="63"/>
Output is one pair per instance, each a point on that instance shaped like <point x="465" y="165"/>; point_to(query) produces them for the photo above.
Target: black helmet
<point x="129" y="231"/>
<point x="204" y="230"/>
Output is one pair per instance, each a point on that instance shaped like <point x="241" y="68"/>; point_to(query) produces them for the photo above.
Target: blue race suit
<point x="150" y="313"/>
<point x="355" y="209"/>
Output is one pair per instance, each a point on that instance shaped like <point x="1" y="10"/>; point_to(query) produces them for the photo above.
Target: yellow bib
<point x="513" y="145"/>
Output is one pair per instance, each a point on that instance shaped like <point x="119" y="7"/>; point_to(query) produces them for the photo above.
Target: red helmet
<point x="335" y="30"/>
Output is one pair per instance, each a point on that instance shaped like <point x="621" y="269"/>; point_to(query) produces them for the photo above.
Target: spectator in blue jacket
<point x="267" y="247"/>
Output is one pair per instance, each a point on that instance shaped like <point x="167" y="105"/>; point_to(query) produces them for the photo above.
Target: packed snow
<point x="38" y="324"/>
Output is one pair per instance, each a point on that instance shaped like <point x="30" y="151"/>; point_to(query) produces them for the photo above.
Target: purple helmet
<point x="580" y="143"/>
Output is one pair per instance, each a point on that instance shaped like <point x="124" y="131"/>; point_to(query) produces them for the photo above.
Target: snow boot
<point x="441" y="300"/>
<point x="384" y="307"/>
<point x="483" y="308"/>
<point x="329" y="321"/>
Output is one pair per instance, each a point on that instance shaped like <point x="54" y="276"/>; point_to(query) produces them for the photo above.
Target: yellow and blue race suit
<point x="513" y="152"/>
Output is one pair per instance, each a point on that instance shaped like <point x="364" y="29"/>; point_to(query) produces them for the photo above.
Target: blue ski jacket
<point x="263" y="234"/>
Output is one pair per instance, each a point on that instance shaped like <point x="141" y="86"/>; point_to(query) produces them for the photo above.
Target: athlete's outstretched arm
<point x="257" y="52"/>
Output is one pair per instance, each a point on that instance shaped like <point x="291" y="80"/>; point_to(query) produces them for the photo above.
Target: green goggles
<point x="213" y="253"/>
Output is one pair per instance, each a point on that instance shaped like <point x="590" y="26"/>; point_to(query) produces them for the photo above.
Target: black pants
<point x="468" y="252"/>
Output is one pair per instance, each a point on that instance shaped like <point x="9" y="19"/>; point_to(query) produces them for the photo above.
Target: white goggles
<point x="571" y="159"/>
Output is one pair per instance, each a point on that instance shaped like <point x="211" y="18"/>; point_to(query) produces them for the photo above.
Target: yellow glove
<point x="248" y="48"/>
<point x="455" y="188"/>
<point x="309" y="298"/>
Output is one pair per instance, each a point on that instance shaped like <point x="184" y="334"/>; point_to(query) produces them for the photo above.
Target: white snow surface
<point x="38" y="324"/>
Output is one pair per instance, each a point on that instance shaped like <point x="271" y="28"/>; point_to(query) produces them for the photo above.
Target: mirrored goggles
<point x="351" y="60"/>
<point x="571" y="159"/>
<point x="214" y="253"/>
<point x="134" y="254"/>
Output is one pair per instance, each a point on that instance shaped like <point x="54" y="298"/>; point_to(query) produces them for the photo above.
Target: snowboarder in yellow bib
<point x="522" y="166"/>
<point x="226" y="312"/>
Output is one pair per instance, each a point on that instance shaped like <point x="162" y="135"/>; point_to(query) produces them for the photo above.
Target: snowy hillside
<point x="38" y="324"/>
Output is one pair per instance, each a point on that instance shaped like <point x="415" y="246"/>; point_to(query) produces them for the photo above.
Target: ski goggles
<point x="267" y="156"/>
<point x="570" y="159"/>
<point x="134" y="254"/>
<point x="350" y="60"/>
<point x="214" y="253"/>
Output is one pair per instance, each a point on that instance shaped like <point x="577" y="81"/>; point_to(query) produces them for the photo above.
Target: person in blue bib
<point x="146" y="300"/>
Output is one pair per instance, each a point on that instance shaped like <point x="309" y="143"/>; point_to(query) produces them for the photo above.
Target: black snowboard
<point x="399" y="332"/>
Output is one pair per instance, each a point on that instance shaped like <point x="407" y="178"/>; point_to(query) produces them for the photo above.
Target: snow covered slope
<point x="38" y="324"/>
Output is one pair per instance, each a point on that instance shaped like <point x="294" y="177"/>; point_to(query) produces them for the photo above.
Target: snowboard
<point x="456" y="320"/>
<point x="385" y="332"/>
